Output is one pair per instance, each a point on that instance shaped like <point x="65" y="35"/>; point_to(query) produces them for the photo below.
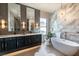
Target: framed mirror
<point x="14" y="17"/>
<point x="30" y="19"/>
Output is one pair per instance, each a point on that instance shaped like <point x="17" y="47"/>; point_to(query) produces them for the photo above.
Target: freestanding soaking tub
<point x="67" y="47"/>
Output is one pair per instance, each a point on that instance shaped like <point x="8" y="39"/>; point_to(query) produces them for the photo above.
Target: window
<point x="43" y="25"/>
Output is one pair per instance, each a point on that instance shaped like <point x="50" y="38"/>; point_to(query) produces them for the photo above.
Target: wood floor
<point x="32" y="51"/>
<point x="25" y="52"/>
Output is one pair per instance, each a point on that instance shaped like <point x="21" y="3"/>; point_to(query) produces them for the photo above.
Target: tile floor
<point x="48" y="51"/>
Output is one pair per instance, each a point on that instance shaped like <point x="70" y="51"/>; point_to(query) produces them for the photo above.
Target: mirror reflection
<point x="14" y="17"/>
<point x="30" y="19"/>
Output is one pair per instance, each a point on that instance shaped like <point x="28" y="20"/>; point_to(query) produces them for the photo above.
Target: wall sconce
<point x="36" y="25"/>
<point x="3" y="24"/>
<point x="23" y="25"/>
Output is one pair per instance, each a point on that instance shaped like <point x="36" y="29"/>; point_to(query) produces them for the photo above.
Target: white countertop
<point x="16" y="35"/>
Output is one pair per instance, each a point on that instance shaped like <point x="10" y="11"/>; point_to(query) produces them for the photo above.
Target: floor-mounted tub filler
<point x="67" y="47"/>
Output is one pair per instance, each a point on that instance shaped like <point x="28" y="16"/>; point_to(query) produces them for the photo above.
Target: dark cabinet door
<point x="20" y="42"/>
<point x="10" y="44"/>
<point x="27" y="41"/>
<point x="33" y="39"/>
<point x="38" y="38"/>
<point x="1" y="45"/>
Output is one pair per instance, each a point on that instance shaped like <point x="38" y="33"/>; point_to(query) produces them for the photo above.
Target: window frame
<point x="43" y="25"/>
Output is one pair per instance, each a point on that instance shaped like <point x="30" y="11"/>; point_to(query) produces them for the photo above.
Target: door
<point x="1" y="44"/>
<point x="20" y="42"/>
<point x="10" y="43"/>
<point x="27" y="41"/>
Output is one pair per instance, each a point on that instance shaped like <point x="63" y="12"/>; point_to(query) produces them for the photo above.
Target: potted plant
<point x="49" y="36"/>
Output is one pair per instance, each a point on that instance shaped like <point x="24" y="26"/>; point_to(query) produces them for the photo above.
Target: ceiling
<point x="47" y="7"/>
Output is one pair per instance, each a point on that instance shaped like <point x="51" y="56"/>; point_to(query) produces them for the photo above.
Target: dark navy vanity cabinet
<point x="18" y="42"/>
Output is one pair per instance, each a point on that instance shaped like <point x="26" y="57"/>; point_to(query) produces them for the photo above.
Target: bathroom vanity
<point x="19" y="27"/>
<point x="10" y="43"/>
